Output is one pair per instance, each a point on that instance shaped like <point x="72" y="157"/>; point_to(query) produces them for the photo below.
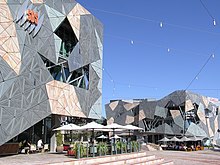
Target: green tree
<point x="59" y="138"/>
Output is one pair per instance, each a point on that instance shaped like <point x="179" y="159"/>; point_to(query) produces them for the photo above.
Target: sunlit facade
<point x="50" y="66"/>
<point x="180" y="113"/>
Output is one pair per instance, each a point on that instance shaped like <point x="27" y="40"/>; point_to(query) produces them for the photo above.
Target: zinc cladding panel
<point x="32" y="104"/>
<point x="87" y="39"/>
<point x="148" y="108"/>
<point x="55" y="17"/>
<point x="196" y="130"/>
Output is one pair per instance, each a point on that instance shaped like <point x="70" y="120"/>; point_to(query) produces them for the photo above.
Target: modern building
<point x="50" y="67"/>
<point x="180" y="113"/>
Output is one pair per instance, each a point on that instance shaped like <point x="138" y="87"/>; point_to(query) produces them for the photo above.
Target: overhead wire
<point x="156" y="88"/>
<point x="168" y="49"/>
<point x="111" y="79"/>
<point x="129" y="85"/>
<point x="209" y="13"/>
<point x="196" y="76"/>
<point x="206" y="9"/>
<point x="156" y="21"/>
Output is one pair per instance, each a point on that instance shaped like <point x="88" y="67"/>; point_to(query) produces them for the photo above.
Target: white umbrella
<point x="115" y="126"/>
<point x="68" y="127"/>
<point x="102" y="137"/>
<point x="132" y="127"/>
<point x="175" y="139"/>
<point x="185" y="139"/>
<point x="196" y="138"/>
<point x="115" y="137"/>
<point x="93" y="125"/>
<point x="75" y="127"/>
<point x="165" y="139"/>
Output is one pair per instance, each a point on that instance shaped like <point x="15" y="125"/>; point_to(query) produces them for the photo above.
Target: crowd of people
<point x="182" y="147"/>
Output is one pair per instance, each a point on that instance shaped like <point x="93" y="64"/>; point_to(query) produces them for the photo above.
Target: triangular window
<point x="68" y="37"/>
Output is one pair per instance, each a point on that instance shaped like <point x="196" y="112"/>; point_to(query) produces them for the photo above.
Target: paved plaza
<point x="206" y="157"/>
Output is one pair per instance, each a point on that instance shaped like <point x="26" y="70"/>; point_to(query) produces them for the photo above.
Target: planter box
<point x="59" y="149"/>
<point x="71" y="152"/>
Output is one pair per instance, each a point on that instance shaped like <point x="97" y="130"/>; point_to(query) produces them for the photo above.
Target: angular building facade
<point x="180" y="113"/>
<point x="50" y="64"/>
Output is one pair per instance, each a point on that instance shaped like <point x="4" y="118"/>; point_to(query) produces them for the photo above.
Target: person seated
<point x="27" y="146"/>
<point x="185" y="147"/>
<point x="40" y="145"/>
<point x="181" y="147"/>
<point x="170" y="146"/>
<point x="192" y="147"/>
<point x="198" y="147"/>
<point x="20" y="146"/>
<point x="176" y="147"/>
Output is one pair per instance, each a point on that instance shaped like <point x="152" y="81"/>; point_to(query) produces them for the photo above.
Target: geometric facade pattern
<point x="50" y="63"/>
<point x="180" y="113"/>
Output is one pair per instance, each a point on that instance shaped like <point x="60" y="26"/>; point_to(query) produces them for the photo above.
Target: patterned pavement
<point x="206" y="157"/>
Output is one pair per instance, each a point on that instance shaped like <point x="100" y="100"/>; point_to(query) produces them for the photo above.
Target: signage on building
<point x="29" y="18"/>
<point x="32" y="16"/>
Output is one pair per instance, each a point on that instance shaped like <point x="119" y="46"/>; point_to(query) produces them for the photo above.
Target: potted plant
<point x="123" y="147"/>
<point x="102" y="148"/>
<point x="59" y="140"/>
<point x="72" y="150"/>
<point x="134" y="145"/>
<point x="80" y="149"/>
<point x="118" y="146"/>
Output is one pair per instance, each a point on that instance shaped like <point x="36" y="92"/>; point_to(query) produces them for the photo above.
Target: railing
<point x="80" y="150"/>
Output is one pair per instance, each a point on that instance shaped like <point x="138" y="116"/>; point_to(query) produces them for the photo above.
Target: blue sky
<point x="143" y="59"/>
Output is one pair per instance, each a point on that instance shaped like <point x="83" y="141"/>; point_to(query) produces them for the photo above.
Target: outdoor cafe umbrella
<point x="185" y="139"/>
<point x="130" y="127"/>
<point x="68" y="127"/>
<point x="115" y="126"/>
<point x="165" y="139"/>
<point x="115" y="137"/>
<point x="102" y="137"/>
<point x="92" y="126"/>
<point x="175" y="139"/>
<point x="196" y="138"/>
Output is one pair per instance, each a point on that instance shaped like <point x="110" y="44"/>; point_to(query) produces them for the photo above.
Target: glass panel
<point x="68" y="37"/>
